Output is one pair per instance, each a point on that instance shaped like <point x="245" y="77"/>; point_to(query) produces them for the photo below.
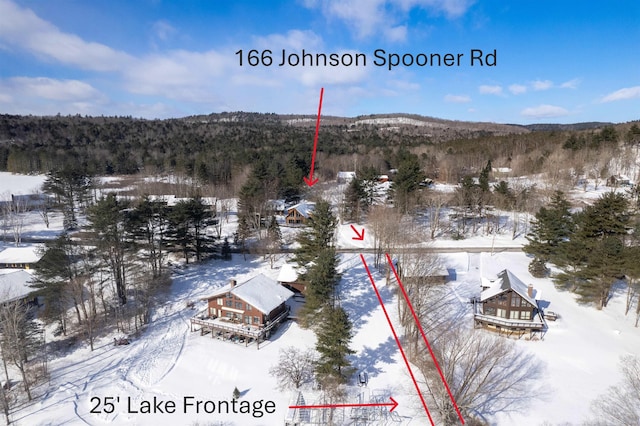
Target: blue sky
<point x="556" y="61"/>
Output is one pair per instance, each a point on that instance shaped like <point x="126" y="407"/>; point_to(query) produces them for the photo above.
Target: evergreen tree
<point x="52" y="273"/>
<point x="225" y="251"/>
<point x="107" y="219"/>
<point x="322" y="278"/>
<point x="333" y="346"/>
<point x="407" y="181"/>
<point x="354" y="200"/>
<point x="71" y="188"/>
<point x="551" y="227"/>
<point x="242" y="234"/>
<point x="318" y="235"/>
<point x="594" y="256"/>
<point x="147" y="223"/>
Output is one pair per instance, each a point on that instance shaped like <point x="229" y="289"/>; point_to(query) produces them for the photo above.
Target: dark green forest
<point x="218" y="148"/>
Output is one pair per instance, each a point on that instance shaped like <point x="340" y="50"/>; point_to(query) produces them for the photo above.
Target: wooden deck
<point x="223" y="329"/>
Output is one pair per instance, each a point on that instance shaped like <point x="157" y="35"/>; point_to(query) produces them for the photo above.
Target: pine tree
<point x="242" y="234"/>
<point x="107" y="219"/>
<point x="594" y="256"/>
<point x="318" y="235"/>
<point x="406" y="181"/>
<point x="333" y="346"/>
<point x="322" y="278"/>
<point x="354" y="202"/>
<point x="551" y="227"/>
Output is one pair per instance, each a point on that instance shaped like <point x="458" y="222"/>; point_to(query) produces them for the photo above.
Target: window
<point x="502" y="299"/>
<point x="256" y="320"/>
<point x="239" y="305"/>
<point x="515" y="299"/>
<point x="248" y="307"/>
<point x="513" y="314"/>
<point x="220" y="301"/>
<point x="230" y="315"/>
<point x="524" y="303"/>
<point x="490" y="310"/>
<point x="526" y="315"/>
<point x="230" y="303"/>
<point x="501" y="313"/>
<point x="247" y="320"/>
<point x="229" y="296"/>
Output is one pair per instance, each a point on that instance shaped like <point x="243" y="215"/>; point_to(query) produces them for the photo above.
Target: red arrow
<point x="310" y="180"/>
<point x="395" y="336"/>
<point x="360" y="236"/>
<point x="424" y="337"/>
<point x="393" y="404"/>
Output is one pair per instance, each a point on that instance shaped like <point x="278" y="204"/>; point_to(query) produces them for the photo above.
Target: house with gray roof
<point x="508" y="305"/>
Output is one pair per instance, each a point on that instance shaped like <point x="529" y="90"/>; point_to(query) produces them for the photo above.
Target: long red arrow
<point x="360" y="236"/>
<point x="424" y="337"/>
<point x="393" y="404"/>
<point x="310" y="180"/>
<point x="395" y="336"/>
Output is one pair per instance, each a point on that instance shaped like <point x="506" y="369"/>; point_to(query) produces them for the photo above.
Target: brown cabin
<point x="255" y="302"/>
<point x="506" y="303"/>
<point x="298" y="214"/>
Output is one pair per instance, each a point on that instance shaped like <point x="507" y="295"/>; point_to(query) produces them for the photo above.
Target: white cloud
<point x="370" y="17"/>
<point x="22" y="27"/>
<point x="457" y="99"/>
<point x="626" y="93"/>
<point x="490" y="90"/>
<point x="517" y="89"/>
<point x="544" y="111"/>
<point x="179" y="74"/>
<point x="542" y="84"/>
<point x="571" y="84"/>
<point x="48" y="88"/>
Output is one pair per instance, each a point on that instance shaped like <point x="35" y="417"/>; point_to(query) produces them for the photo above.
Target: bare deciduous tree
<point x="486" y="374"/>
<point x="621" y="404"/>
<point x="295" y="367"/>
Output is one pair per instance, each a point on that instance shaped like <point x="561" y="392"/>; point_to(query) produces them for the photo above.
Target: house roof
<point x="261" y="292"/>
<point x="305" y="208"/>
<point x="346" y="175"/>
<point x="14" y="285"/>
<point x="20" y="255"/>
<point x="506" y="280"/>
<point x="288" y="274"/>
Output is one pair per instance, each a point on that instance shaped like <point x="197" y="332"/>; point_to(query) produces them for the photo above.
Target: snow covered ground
<point x="580" y="352"/>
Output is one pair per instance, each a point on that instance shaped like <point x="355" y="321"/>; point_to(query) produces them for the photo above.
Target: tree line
<point x="594" y="247"/>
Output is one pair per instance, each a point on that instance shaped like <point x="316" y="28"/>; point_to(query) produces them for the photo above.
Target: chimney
<point x="530" y="290"/>
<point x="233" y="283"/>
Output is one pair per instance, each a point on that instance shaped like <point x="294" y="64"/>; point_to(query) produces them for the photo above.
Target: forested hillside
<point x="219" y="147"/>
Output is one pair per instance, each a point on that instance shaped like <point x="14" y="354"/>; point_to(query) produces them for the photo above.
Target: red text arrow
<point x="310" y="180"/>
<point x="360" y="236"/>
<point x="395" y="336"/>
<point x="424" y="337"/>
<point x="393" y="404"/>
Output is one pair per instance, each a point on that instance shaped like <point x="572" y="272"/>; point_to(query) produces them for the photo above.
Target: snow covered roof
<point x="506" y="280"/>
<point x="305" y="208"/>
<point x="14" y="285"/>
<point x="261" y="292"/>
<point x="20" y="255"/>
<point x="346" y="175"/>
<point x="288" y="274"/>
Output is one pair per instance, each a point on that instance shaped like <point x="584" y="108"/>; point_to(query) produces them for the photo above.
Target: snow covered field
<point x="580" y="352"/>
